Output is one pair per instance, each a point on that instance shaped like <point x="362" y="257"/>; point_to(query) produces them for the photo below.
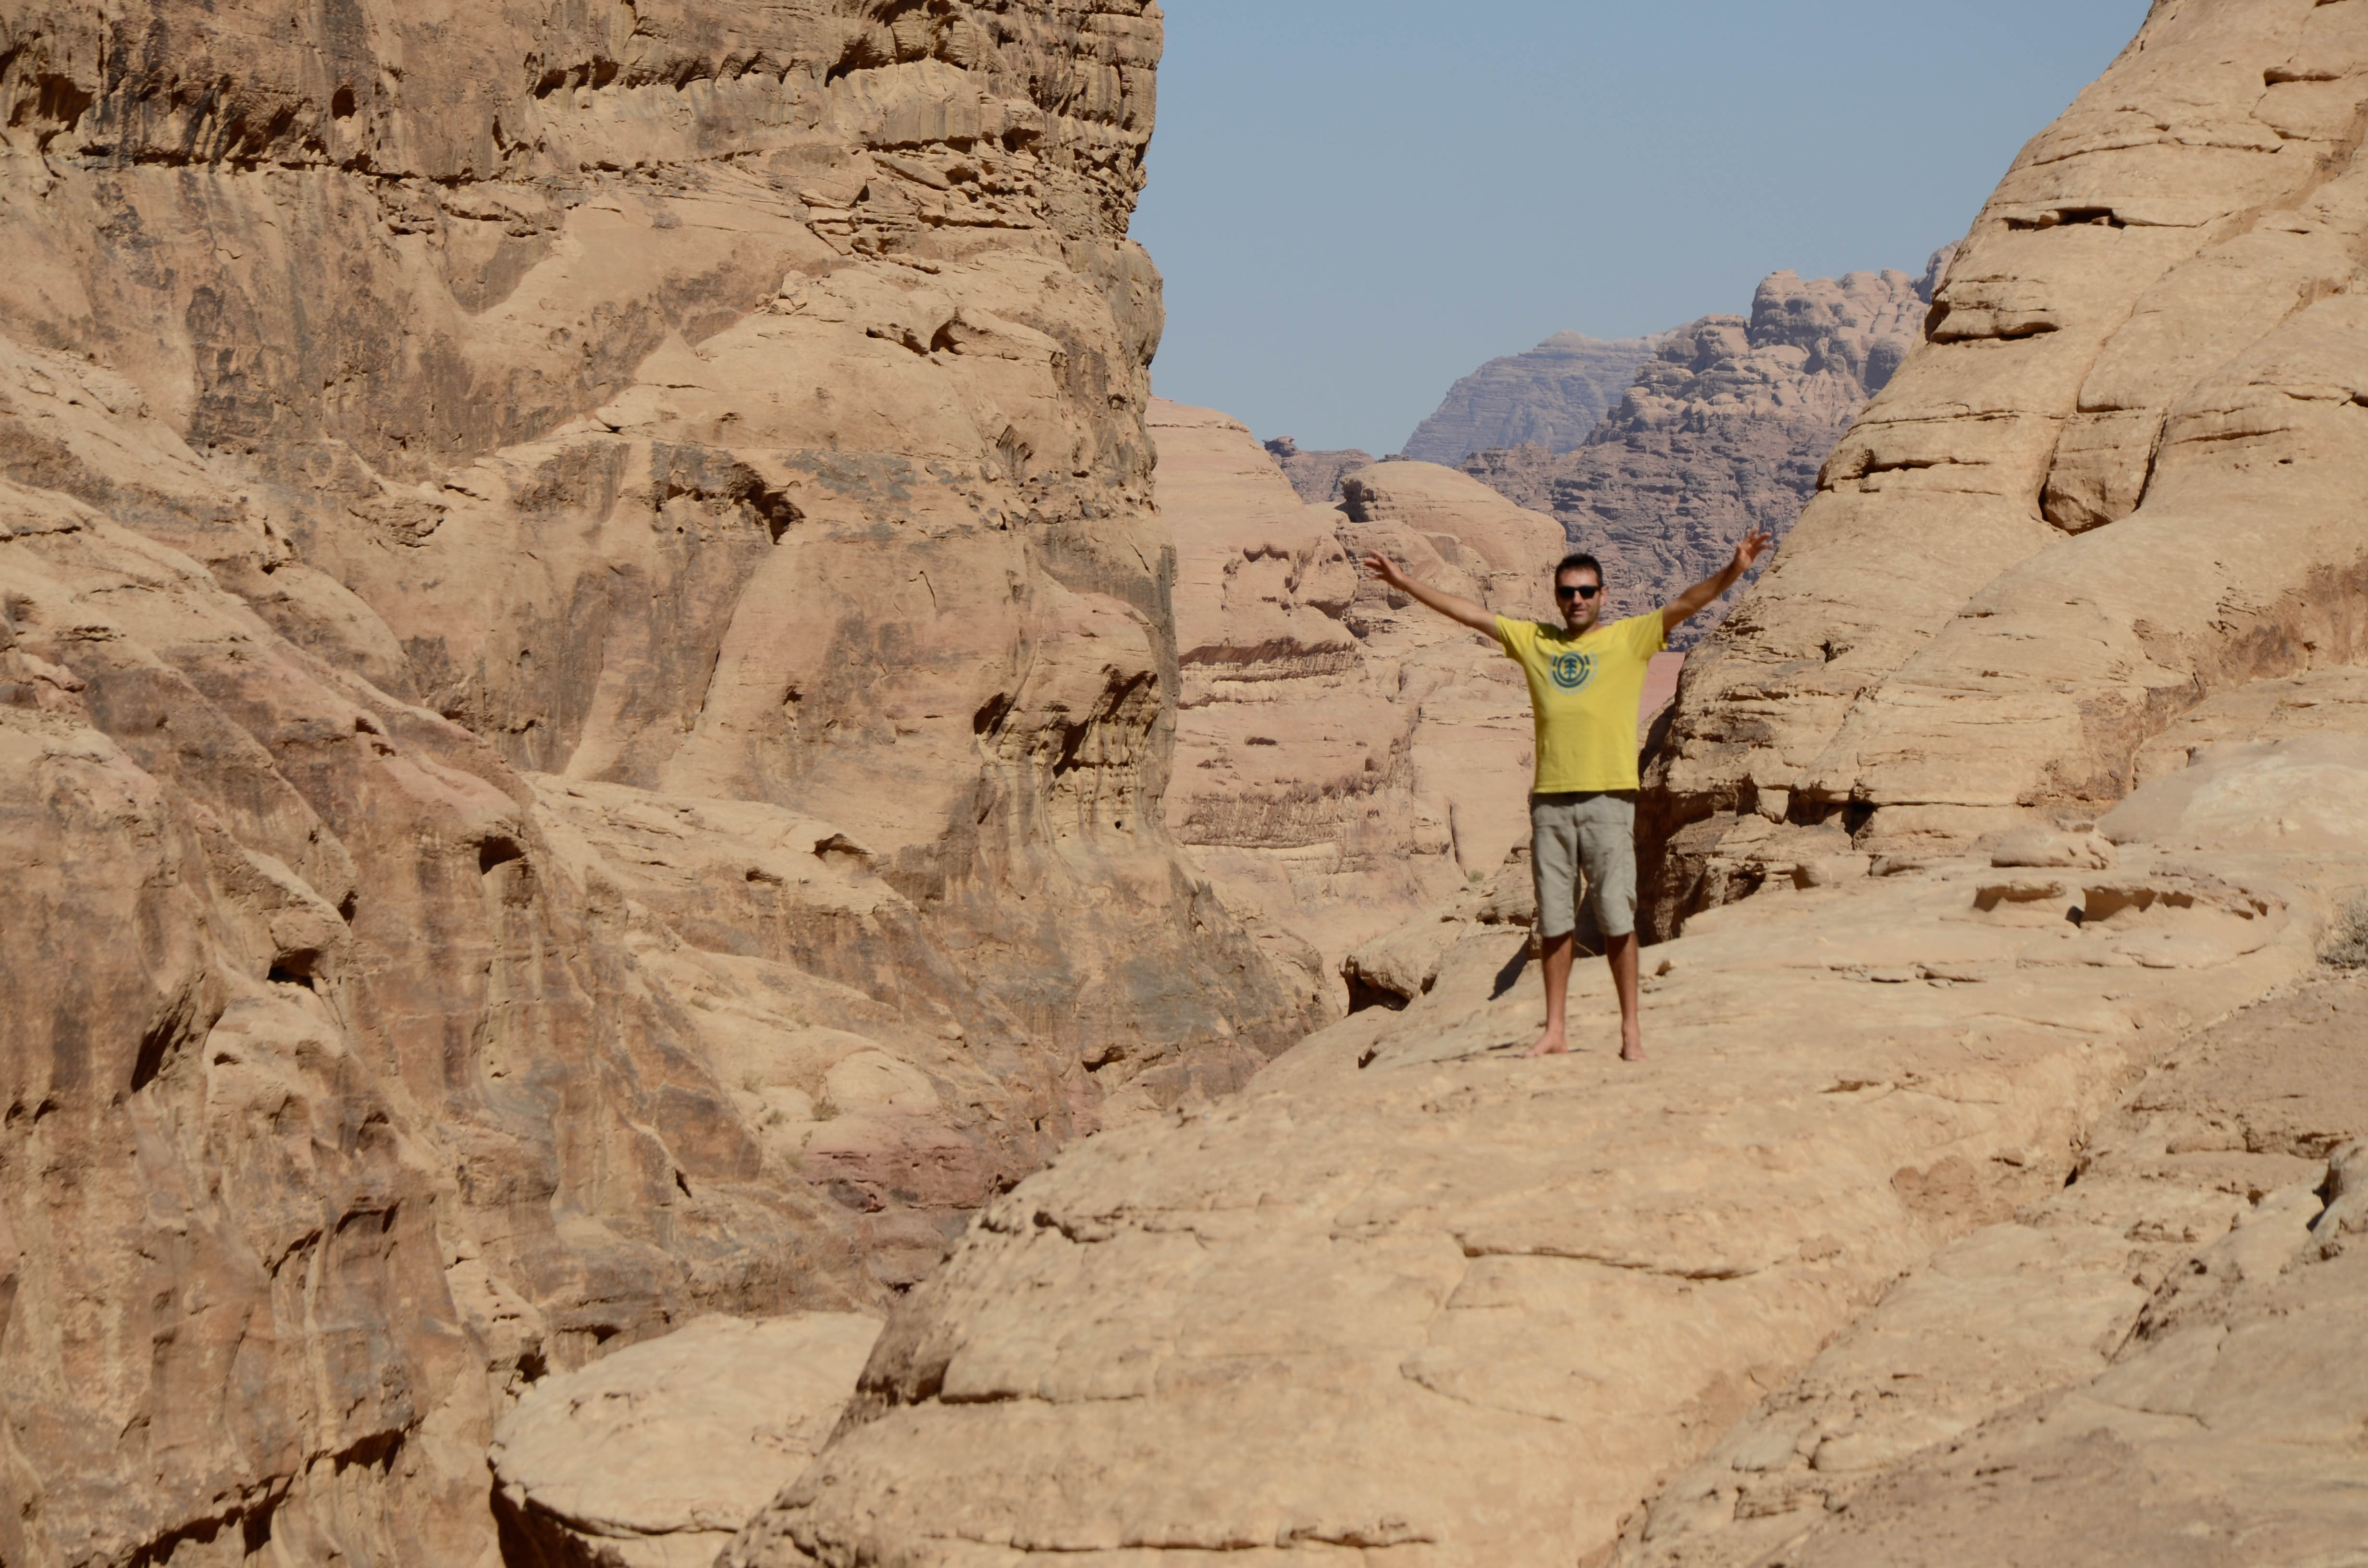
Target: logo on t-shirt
<point x="1571" y="672"/>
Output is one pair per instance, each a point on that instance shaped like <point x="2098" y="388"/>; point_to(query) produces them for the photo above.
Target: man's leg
<point x="1557" y="971"/>
<point x="1608" y="853"/>
<point x="1554" y="872"/>
<point x="1620" y="952"/>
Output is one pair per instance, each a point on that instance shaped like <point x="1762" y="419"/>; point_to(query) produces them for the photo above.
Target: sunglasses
<point x="1584" y="590"/>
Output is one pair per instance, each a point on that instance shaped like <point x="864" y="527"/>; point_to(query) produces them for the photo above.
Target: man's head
<point x="1578" y="590"/>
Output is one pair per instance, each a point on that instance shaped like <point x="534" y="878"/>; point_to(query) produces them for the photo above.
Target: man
<point x="1586" y="680"/>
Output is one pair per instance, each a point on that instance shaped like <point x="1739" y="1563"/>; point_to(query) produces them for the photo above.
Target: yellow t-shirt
<point x="1582" y="697"/>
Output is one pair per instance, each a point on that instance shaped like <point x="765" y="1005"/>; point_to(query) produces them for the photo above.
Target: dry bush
<point x="2347" y="946"/>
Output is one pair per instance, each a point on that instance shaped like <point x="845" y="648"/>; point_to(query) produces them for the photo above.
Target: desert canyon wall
<point x="587" y="677"/>
<point x="1994" y="1194"/>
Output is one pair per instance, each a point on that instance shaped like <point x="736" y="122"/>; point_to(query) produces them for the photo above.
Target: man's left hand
<point x="1753" y="547"/>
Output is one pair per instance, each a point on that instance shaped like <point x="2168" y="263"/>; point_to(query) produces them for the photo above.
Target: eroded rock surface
<point x="2155" y="1365"/>
<point x="585" y="678"/>
<point x="1721" y="431"/>
<point x="1411" y="1294"/>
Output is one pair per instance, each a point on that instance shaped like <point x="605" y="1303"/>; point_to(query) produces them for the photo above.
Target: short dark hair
<point x="1580" y="560"/>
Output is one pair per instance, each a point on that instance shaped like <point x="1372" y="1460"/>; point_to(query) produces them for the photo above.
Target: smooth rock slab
<point x="1412" y="1297"/>
<point x="656" y="1456"/>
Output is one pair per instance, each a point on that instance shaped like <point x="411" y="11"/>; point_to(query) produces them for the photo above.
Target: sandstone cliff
<point x="1996" y="1051"/>
<point x="1550" y="397"/>
<point x="1720" y="432"/>
<point x="585" y="680"/>
<point x="1341" y="752"/>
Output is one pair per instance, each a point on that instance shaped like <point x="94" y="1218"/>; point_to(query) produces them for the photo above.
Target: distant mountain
<point x="1550" y="397"/>
<point x="1723" y="430"/>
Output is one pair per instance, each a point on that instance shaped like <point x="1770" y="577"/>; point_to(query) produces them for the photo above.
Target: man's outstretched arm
<point x="1448" y="605"/>
<point x="1691" y="603"/>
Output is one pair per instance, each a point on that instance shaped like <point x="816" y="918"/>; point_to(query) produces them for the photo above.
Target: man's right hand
<point x="1447" y="605"/>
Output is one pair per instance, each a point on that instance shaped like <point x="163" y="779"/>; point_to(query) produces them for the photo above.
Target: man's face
<point x="1579" y="594"/>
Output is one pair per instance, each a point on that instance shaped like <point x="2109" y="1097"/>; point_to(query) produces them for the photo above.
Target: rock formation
<point x="1315" y="475"/>
<point x="2160" y="1364"/>
<point x="2129" y="431"/>
<point x="585" y="680"/>
<point x="1550" y="397"/>
<point x="1720" y="432"/>
<point x="655" y="1457"/>
<point x="1341" y="753"/>
<point x="2010" y="809"/>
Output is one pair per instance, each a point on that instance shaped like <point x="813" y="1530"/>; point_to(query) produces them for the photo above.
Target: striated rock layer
<point x="2117" y="475"/>
<point x="585" y="680"/>
<point x="1720" y="432"/>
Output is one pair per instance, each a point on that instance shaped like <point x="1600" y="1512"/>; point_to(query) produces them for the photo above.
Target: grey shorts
<point x="1593" y="833"/>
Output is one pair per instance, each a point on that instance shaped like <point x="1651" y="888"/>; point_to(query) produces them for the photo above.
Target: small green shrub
<point x="2347" y="945"/>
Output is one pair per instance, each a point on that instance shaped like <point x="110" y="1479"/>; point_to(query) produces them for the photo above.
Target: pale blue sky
<point x="1356" y="201"/>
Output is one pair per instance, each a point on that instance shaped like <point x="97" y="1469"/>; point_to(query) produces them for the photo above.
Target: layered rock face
<point x="585" y="678"/>
<point x="1343" y="756"/>
<point x="2129" y="431"/>
<point x="1551" y="397"/>
<point x="1720" y="432"/>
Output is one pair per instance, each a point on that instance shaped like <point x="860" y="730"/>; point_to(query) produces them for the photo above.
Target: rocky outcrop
<point x="1720" y="432"/>
<point x="1550" y="397"/>
<point x="655" y="1457"/>
<point x="2127" y="430"/>
<point x="585" y="682"/>
<point x="1343" y="756"/>
<point x="1315" y="475"/>
<point x="2158" y="1364"/>
<point x="1412" y="1294"/>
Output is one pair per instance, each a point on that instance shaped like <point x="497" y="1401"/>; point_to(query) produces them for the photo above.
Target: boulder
<point x="655" y="1457"/>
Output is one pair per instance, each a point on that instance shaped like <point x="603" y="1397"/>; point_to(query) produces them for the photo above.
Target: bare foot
<point x="1632" y="1044"/>
<point x="1550" y="1043"/>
